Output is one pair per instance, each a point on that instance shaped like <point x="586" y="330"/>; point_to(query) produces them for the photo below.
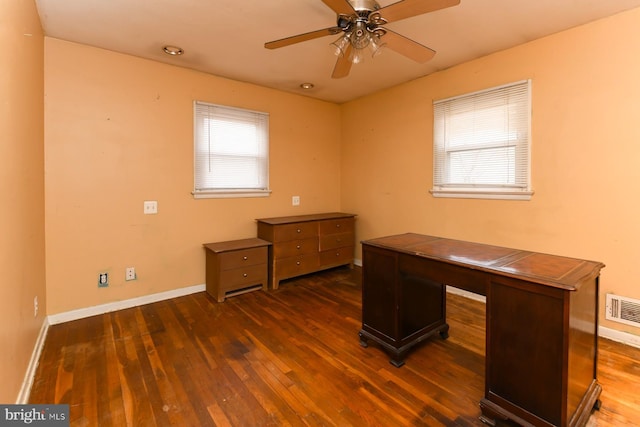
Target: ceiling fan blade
<point x="341" y="7"/>
<point x="303" y="37"/>
<point x="408" y="8"/>
<point x="407" y="47"/>
<point x="343" y="65"/>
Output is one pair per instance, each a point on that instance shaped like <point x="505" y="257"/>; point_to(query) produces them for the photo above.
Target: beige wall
<point x="585" y="153"/>
<point x="119" y="131"/>
<point x="22" y="274"/>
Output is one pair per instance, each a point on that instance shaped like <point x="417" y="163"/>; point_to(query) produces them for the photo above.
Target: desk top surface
<point x="553" y="270"/>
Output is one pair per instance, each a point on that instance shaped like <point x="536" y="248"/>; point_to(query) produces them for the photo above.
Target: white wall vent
<point x="624" y="310"/>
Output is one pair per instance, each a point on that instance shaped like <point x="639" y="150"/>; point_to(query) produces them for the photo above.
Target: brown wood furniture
<point x="541" y="323"/>
<point x="236" y="267"/>
<point x="307" y="243"/>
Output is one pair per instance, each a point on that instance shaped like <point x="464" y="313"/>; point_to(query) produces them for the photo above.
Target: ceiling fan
<point x="361" y="22"/>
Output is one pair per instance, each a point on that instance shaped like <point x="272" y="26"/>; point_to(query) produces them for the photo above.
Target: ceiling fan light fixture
<point x="376" y="44"/>
<point x="340" y="45"/>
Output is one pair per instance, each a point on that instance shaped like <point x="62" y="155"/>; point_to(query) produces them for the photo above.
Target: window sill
<point x="230" y="194"/>
<point x="473" y="193"/>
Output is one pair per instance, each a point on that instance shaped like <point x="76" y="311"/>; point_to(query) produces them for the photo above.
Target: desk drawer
<point x="445" y="274"/>
<point x="333" y="226"/>
<point x="243" y="258"/>
<point x="295" y="248"/>
<point x="298" y="265"/>
<point x="233" y="279"/>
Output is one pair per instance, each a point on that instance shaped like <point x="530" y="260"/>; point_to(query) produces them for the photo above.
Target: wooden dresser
<point x="307" y="243"/>
<point x="236" y="267"/>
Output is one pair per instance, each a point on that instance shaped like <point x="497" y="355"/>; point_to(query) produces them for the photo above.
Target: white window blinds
<point x="482" y="143"/>
<point x="230" y="151"/>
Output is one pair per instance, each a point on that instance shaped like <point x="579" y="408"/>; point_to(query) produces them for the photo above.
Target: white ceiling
<point x="226" y="37"/>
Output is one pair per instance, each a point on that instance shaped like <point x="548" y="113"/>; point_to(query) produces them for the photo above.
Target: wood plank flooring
<point x="289" y="357"/>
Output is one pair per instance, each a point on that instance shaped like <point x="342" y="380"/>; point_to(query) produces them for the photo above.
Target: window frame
<point x="261" y="154"/>
<point x="520" y="189"/>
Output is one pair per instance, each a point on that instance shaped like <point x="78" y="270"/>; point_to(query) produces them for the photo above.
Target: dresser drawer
<point x="337" y="256"/>
<point x="295" y="247"/>
<point x="233" y="279"/>
<point x="333" y="241"/>
<point x="333" y="226"/>
<point x="243" y="258"/>
<point x="295" y="231"/>
<point x="296" y="266"/>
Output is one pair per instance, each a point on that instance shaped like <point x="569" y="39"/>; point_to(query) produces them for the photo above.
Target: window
<point x="231" y="152"/>
<point x="481" y="144"/>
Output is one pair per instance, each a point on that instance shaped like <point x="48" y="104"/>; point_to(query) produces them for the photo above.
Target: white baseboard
<point x="619" y="336"/>
<point x="81" y="313"/>
<point x="25" y="390"/>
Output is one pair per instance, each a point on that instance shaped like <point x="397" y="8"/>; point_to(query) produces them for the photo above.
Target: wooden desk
<point x="542" y="320"/>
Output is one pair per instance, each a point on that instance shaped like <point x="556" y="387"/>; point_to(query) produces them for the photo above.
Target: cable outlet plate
<point x="130" y="273"/>
<point x="295" y="200"/>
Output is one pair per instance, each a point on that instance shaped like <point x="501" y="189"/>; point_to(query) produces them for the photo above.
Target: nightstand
<point x="235" y="267"/>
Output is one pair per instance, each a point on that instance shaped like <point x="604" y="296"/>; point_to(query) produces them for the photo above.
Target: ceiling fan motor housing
<point x="364" y="7"/>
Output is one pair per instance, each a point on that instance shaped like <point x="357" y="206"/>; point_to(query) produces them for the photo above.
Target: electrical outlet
<point x="295" y="200"/>
<point x="130" y="273"/>
<point x="150" y="207"/>
<point x="103" y="280"/>
<point x="35" y="306"/>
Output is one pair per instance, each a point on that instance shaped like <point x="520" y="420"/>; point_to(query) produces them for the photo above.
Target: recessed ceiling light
<point x="173" y="50"/>
<point x="306" y="86"/>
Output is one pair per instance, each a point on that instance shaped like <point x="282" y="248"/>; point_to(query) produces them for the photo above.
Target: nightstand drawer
<point x="243" y="258"/>
<point x="232" y="279"/>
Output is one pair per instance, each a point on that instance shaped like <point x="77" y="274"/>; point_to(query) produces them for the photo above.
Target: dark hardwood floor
<point x="285" y="357"/>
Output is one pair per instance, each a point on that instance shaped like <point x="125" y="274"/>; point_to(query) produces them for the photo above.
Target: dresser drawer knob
<point x="298" y="246"/>
<point x="297" y="262"/>
<point x="244" y="275"/>
<point x="245" y="258"/>
<point x="337" y="225"/>
<point x="299" y="231"/>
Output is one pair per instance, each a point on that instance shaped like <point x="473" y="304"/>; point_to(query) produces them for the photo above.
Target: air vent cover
<point x="623" y="309"/>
